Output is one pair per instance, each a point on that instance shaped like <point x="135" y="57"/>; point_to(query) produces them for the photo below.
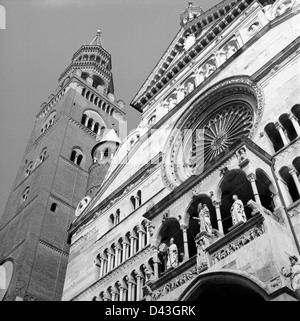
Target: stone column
<point x="113" y="295"/>
<point x="140" y="233"/>
<point x="101" y="267"/>
<point x="121" y="294"/>
<point x="117" y="256"/>
<point x="282" y="134"/>
<point x="184" y="229"/>
<point x="86" y="121"/>
<point x="137" y="202"/>
<point x="129" y="291"/>
<point x="138" y="287"/>
<point x="109" y="262"/>
<point x="125" y="250"/>
<point x="112" y="261"/>
<point x="132" y="244"/>
<point x="295" y="124"/>
<point x="133" y="289"/>
<point x="252" y="179"/>
<point x="292" y="171"/>
<point x="155" y="261"/>
<point x="219" y="217"/>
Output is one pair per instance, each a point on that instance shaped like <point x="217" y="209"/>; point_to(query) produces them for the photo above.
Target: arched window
<point x="53" y="207"/>
<point x="29" y="169"/>
<point x="117" y="218"/>
<point x="25" y="194"/>
<point x="288" y="126"/>
<point x="106" y="152"/>
<point x="79" y="159"/>
<point x="132" y="201"/>
<point x="286" y="175"/>
<point x="6" y="273"/>
<point x="112" y="220"/>
<point x="98" y="59"/>
<point x="296" y="163"/>
<point x="96" y="128"/>
<point x="102" y="130"/>
<point x="296" y="111"/>
<point x="76" y="156"/>
<point x="83" y="119"/>
<point x="139" y="198"/>
<point x="43" y="155"/>
<point x="83" y="92"/>
<point x="92" y="97"/>
<point x="274" y="136"/>
<point x="90" y="123"/>
<point x="73" y="156"/>
<point x="92" y="57"/>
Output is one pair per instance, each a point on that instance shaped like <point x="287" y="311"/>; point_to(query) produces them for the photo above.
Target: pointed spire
<point x="97" y="40"/>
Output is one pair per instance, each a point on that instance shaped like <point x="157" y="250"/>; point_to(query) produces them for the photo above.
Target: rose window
<point x="217" y="133"/>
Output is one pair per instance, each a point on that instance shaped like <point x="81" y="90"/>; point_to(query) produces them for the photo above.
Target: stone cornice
<point x="52" y="247"/>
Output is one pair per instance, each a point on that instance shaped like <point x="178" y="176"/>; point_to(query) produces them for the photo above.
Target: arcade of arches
<point x="234" y="182"/>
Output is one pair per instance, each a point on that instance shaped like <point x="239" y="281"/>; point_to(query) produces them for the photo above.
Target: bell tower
<point x="54" y="174"/>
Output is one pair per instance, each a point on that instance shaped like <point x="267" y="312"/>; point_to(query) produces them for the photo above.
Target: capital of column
<point x="292" y="170"/>
<point x="216" y="203"/>
<point x="133" y="236"/>
<point x="184" y="227"/>
<point x="251" y="177"/>
<point x="278" y="126"/>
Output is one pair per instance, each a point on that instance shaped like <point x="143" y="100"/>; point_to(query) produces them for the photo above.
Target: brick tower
<point x="54" y="174"/>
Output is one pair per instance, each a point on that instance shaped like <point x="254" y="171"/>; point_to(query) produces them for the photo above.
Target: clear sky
<point x="39" y="41"/>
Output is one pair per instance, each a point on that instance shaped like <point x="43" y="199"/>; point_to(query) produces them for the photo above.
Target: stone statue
<point x="204" y="218"/>
<point x="237" y="211"/>
<point x="172" y="253"/>
<point x="256" y="208"/>
<point x="209" y="68"/>
<point x="172" y="102"/>
<point x="293" y="274"/>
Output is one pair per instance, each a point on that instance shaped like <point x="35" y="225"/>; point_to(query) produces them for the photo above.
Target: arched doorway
<point x="194" y="227"/>
<point x="224" y="286"/>
<point x="234" y="182"/>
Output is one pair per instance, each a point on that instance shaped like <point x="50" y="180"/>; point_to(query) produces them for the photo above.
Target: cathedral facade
<point x="201" y="201"/>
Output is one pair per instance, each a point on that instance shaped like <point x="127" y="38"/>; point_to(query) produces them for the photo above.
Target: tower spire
<point x="97" y="40"/>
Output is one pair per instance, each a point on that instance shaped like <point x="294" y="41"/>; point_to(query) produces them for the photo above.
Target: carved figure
<point x="257" y="208"/>
<point x="237" y="211"/>
<point x="293" y="274"/>
<point x="172" y="253"/>
<point x="204" y="218"/>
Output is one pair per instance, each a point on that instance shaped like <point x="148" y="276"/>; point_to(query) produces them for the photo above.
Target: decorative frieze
<point x="174" y="284"/>
<point x="240" y="242"/>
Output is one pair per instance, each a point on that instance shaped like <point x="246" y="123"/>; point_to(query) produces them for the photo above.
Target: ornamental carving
<point x="246" y="238"/>
<point x="279" y="8"/>
<point x="172" y="285"/>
